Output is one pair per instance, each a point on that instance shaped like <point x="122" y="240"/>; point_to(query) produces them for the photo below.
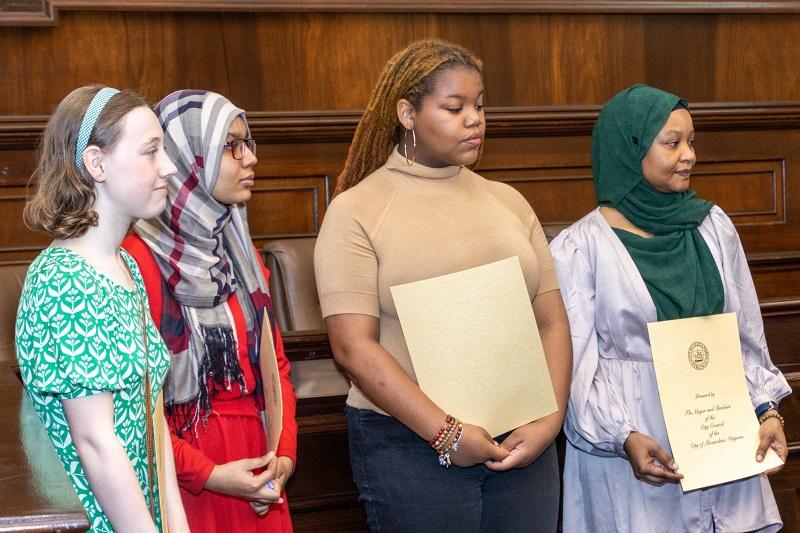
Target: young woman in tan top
<point x="411" y="217"/>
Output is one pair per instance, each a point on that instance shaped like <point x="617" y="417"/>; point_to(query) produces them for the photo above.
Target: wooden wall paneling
<point x="782" y="331"/>
<point x="759" y="59"/>
<point x="558" y="60"/>
<point x="776" y="278"/>
<point x="782" y="233"/>
<point x="300" y="61"/>
<point x="322" y="494"/>
<point x="750" y="192"/>
<point x="559" y="195"/>
<point x="282" y="207"/>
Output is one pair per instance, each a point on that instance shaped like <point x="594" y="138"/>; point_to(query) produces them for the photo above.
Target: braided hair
<point x="410" y="74"/>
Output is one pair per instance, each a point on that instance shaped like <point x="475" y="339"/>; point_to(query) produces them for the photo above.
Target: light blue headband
<point x="89" y="118"/>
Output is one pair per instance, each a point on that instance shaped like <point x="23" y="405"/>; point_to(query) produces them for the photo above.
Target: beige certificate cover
<point x="711" y="425"/>
<point x="475" y="346"/>
<point x="271" y="381"/>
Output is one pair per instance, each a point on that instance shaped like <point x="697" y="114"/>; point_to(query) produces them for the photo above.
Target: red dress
<point x="234" y="430"/>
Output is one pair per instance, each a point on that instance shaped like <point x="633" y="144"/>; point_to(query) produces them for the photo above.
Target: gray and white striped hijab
<point x="205" y="253"/>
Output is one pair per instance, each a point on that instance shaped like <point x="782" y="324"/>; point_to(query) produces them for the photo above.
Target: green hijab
<point x="676" y="264"/>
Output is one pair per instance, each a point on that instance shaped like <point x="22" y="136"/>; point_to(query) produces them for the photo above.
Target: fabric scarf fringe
<point x="220" y="363"/>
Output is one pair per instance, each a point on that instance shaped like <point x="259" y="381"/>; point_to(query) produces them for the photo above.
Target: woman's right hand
<point x="649" y="461"/>
<point x="476" y="446"/>
<point x="236" y="478"/>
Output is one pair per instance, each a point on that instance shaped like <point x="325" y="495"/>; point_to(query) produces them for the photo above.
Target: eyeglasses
<point x="236" y="147"/>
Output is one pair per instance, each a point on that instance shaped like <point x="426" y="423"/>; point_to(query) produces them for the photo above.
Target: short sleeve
<point x="63" y="337"/>
<point x="345" y="263"/>
<point x="548" y="278"/>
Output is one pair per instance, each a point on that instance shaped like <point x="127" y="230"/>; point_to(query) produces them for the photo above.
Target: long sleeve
<point x="192" y="466"/>
<point x="764" y="381"/>
<point x="597" y="419"/>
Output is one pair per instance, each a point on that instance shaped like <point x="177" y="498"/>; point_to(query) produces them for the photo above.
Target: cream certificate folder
<point x="271" y="382"/>
<point x="711" y="425"/>
<point x="475" y="346"/>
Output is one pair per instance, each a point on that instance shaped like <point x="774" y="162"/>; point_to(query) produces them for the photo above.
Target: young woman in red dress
<point x="209" y="294"/>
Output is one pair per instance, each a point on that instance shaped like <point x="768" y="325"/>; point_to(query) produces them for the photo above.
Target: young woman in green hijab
<point x="652" y="251"/>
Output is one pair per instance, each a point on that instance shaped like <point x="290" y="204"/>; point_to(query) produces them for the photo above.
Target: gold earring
<point x="405" y="147"/>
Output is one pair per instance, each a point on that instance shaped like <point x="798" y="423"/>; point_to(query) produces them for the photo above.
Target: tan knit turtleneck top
<point x="407" y="223"/>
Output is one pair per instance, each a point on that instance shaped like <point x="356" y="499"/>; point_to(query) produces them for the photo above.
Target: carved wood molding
<point x="50" y="8"/>
<point x="784" y="306"/>
<point x="774" y="261"/>
<point x="22" y="132"/>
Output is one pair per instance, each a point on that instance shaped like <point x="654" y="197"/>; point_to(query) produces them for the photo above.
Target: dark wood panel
<point x="777" y="278"/>
<point x="559" y="195"/>
<point x="750" y="192"/>
<point x="298" y="61"/>
<point x="19" y="244"/>
<point x="287" y="207"/>
<point x="782" y="331"/>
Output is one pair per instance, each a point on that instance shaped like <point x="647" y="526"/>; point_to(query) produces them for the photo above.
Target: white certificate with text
<point x="712" y="428"/>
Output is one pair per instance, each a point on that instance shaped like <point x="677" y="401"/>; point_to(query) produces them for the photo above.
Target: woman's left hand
<point x="525" y="444"/>
<point x="282" y="468"/>
<point x="771" y="436"/>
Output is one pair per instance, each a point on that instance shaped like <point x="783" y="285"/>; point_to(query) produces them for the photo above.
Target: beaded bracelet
<point x="448" y="423"/>
<point x="444" y="445"/>
<point x="770" y="414"/>
<point x="444" y="458"/>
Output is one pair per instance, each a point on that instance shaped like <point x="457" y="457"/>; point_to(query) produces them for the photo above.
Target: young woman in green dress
<point x="91" y="359"/>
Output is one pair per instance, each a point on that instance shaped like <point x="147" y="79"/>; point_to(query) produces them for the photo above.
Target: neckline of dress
<point x="83" y="260"/>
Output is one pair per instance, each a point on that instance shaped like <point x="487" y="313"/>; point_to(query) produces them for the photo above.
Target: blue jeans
<point x="404" y="490"/>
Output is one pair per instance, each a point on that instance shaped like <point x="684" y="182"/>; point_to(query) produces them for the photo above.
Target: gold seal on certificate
<point x="698" y="355"/>
<point x="712" y="428"/>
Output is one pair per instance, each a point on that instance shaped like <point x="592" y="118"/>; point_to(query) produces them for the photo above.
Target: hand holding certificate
<point x="475" y="345"/>
<point x="710" y="421"/>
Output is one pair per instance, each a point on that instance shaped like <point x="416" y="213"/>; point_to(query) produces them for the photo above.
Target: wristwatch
<point x="764" y="407"/>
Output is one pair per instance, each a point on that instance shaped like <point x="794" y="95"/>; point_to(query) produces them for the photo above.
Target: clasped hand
<point x="518" y="450"/>
<point x="236" y="478"/>
<point x="525" y="444"/>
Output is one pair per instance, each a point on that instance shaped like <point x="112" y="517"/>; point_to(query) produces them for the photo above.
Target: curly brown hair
<point x="64" y="196"/>
<point x="410" y="74"/>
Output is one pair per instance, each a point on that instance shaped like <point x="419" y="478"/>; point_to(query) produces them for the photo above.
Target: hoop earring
<point x="405" y="147"/>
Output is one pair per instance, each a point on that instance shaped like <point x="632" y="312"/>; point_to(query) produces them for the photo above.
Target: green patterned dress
<point x="80" y="333"/>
